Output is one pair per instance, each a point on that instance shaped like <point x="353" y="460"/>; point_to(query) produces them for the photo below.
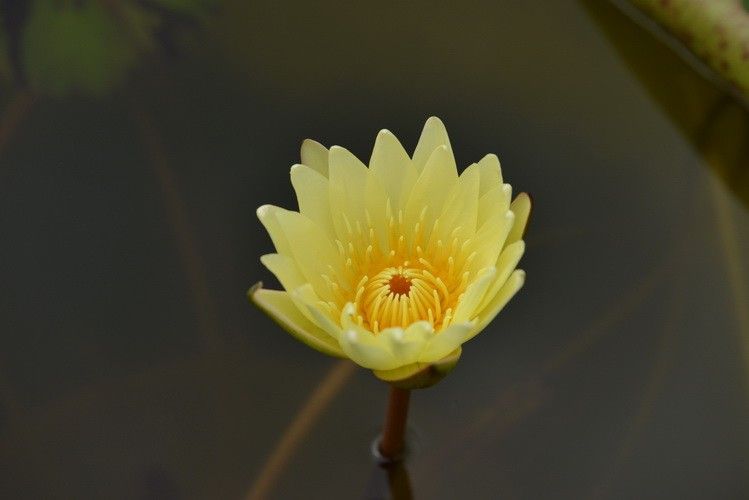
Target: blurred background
<point x="137" y="138"/>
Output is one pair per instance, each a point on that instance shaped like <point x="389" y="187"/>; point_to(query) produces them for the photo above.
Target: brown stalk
<point x="393" y="441"/>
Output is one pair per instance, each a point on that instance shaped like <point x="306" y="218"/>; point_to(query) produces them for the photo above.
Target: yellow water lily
<point x="394" y="265"/>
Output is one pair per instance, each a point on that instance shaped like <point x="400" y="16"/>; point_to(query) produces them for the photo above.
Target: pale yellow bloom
<point x="394" y="266"/>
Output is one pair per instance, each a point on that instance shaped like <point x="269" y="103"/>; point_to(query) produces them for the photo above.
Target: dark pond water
<point x="131" y="365"/>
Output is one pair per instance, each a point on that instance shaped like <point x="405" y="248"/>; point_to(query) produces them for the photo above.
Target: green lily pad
<point x="73" y="46"/>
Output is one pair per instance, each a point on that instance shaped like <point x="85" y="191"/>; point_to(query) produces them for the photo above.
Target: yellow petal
<point x="393" y="167"/>
<point x="318" y="311"/>
<point x="311" y="249"/>
<point x="376" y="201"/>
<point x="446" y="341"/>
<point x="284" y="268"/>
<point x="432" y="188"/>
<point x="508" y="290"/>
<point x="433" y="136"/>
<point x="364" y="349"/>
<point x="315" y="156"/>
<point x="348" y="180"/>
<point x="312" y="193"/>
<point x="506" y="264"/>
<point x="279" y="306"/>
<point x="494" y="201"/>
<point x="490" y="239"/>
<point x="268" y="216"/>
<point x="406" y="345"/>
<point x="286" y="271"/>
<point x="491" y="173"/>
<point x="461" y="209"/>
<point x="362" y="346"/>
<point x="521" y="207"/>
<point x="474" y="294"/>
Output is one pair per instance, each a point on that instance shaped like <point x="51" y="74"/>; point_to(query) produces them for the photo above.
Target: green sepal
<point x="420" y="375"/>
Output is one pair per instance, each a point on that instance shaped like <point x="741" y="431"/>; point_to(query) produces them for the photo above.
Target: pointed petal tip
<point x="263" y="210"/>
<point x="338" y="153"/>
<point x="492" y="158"/>
<point x="524" y="197"/>
<point x="254" y="288"/>
<point x="434" y="120"/>
<point x="311" y="146"/>
<point x="264" y="261"/>
<point x="310" y="142"/>
<point x="518" y="275"/>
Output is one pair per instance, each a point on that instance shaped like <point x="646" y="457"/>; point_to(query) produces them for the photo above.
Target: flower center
<point x="395" y="281"/>
<point x="399" y="284"/>
<point x="399" y="296"/>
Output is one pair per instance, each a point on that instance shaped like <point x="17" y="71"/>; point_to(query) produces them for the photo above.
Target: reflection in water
<point x="668" y="343"/>
<point x="716" y="124"/>
<point x="302" y="424"/>
<point x="159" y="485"/>
<point x="12" y="116"/>
<point x="389" y="482"/>
<point x="723" y="142"/>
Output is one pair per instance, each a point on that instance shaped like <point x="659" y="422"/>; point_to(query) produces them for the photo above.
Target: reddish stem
<point x="393" y="440"/>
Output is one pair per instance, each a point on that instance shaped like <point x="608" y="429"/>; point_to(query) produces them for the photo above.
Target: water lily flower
<point x="394" y="265"/>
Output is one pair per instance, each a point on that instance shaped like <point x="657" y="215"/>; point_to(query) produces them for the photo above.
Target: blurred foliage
<point x="88" y="46"/>
<point x="714" y="123"/>
<point x="717" y="31"/>
<point x="67" y="47"/>
<point x="189" y="7"/>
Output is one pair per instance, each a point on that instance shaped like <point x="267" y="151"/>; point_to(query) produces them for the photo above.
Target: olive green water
<point x="131" y="365"/>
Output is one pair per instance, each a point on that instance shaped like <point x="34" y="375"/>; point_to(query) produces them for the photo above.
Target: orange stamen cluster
<point x="416" y="276"/>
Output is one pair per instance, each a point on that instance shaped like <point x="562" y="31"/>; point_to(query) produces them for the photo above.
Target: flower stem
<point x="392" y="442"/>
